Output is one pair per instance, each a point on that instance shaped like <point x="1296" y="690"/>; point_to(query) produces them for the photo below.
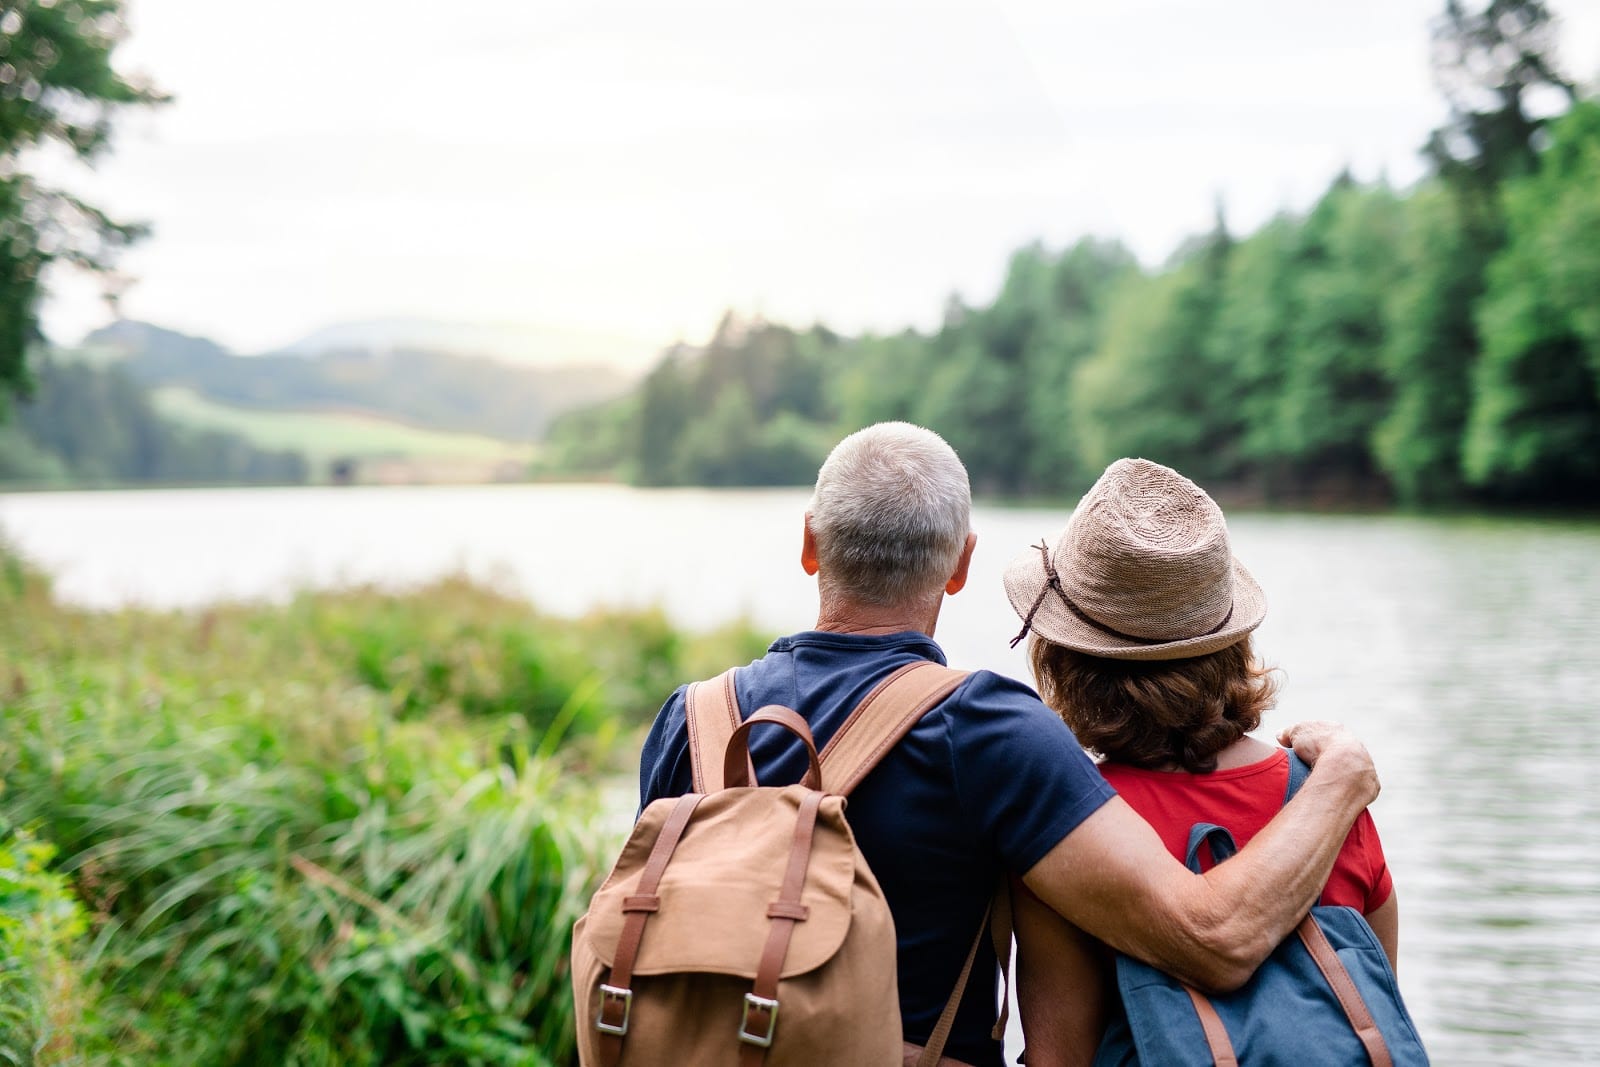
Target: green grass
<point x="324" y="436"/>
<point x="355" y="829"/>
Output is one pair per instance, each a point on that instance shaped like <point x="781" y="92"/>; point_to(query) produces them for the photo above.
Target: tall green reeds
<point x="352" y="830"/>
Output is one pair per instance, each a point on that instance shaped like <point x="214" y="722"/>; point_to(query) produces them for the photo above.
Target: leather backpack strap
<point x="1345" y="991"/>
<point x="616" y="995"/>
<point x="1216" y="1034"/>
<point x="712" y="711"/>
<point x="761" y="1003"/>
<point x="997" y="925"/>
<point x="1327" y="960"/>
<point x="934" y="1049"/>
<point x="878" y="723"/>
<point x="1000" y="932"/>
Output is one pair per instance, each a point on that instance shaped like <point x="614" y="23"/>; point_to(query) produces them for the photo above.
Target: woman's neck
<point x="1243" y="752"/>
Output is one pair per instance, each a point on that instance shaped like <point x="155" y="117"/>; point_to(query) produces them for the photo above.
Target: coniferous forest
<point x="1437" y="345"/>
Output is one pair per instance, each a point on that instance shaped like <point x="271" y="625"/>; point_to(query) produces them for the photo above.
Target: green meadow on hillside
<point x="323" y="436"/>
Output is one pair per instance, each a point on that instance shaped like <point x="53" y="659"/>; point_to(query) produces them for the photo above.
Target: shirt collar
<point x="906" y="640"/>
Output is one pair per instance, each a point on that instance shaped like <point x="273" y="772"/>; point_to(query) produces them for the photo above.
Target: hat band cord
<point x="1053" y="581"/>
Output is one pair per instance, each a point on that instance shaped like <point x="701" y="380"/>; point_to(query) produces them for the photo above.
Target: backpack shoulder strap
<point x="1299" y="771"/>
<point x="712" y="711"/>
<point x="876" y="725"/>
<point x="886" y="715"/>
<point x="1327" y="960"/>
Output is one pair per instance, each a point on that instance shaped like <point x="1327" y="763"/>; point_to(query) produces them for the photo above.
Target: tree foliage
<point x="1333" y="389"/>
<point x="1491" y="63"/>
<point x="95" y="424"/>
<point x="1155" y="385"/>
<point x="1435" y="347"/>
<point x="762" y="403"/>
<point x="1431" y="343"/>
<point x="1001" y="393"/>
<point x="750" y="408"/>
<point x="58" y="87"/>
<point x="1534" y="427"/>
<point x="1439" y="345"/>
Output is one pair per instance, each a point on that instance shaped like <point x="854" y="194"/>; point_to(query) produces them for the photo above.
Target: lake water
<point x="1464" y="652"/>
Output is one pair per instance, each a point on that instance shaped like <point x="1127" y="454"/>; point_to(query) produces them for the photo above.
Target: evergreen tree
<point x="1489" y="62"/>
<point x="1431" y="344"/>
<point x="1534" y="427"/>
<point x="1333" y="391"/>
<point x="1258" y="307"/>
<point x="666" y="406"/>
<point x="1081" y="283"/>
<point x="978" y="394"/>
<point x="718" y="445"/>
<point x="59" y="89"/>
<point x="1155" y="388"/>
<point x="880" y="379"/>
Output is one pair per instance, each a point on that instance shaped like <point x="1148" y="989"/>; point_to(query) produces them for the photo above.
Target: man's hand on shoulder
<point x="1335" y="754"/>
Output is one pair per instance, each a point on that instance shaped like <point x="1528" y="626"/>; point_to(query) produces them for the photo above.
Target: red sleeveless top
<point x="1244" y="799"/>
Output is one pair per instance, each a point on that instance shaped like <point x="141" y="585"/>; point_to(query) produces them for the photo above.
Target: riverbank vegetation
<point x="352" y="829"/>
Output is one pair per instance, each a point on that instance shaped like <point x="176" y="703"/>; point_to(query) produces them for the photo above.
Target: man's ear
<point x="808" y="549"/>
<point x="958" y="580"/>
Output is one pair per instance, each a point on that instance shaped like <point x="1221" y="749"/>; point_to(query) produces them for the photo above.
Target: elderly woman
<point x="1140" y="619"/>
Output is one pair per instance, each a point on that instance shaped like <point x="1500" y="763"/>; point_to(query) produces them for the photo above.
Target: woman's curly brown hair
<point x="1156" y="713"/>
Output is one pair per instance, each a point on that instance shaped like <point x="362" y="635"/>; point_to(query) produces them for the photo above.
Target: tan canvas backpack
<point x="741" y="925"/>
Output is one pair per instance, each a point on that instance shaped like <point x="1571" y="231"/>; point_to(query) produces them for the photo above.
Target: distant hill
<point x="417" y="386"/>
<point x="524" y="345"/>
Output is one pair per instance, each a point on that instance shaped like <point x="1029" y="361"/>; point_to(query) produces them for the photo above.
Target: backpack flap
<point x="725" y="873"/>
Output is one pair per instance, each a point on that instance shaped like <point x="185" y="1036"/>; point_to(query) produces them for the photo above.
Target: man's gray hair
<point x="890" y="514"/>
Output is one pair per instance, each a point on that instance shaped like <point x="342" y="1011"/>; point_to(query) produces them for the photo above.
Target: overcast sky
<point x="634" y="167"/>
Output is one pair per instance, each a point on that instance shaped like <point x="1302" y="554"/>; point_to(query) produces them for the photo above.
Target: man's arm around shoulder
<point x="1113" y="877"/>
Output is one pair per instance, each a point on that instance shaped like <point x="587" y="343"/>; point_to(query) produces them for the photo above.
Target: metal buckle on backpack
<point x="609" y="993"/>
<point x="755" y="1003"/>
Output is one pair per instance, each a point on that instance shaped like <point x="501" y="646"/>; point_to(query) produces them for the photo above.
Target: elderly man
<point x="991" y="781"/>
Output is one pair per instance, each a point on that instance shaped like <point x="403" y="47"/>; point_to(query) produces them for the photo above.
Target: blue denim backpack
<point x="1326" y="996"/>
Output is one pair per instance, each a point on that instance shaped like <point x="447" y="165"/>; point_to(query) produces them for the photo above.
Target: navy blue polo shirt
<point x="988" y="781"/>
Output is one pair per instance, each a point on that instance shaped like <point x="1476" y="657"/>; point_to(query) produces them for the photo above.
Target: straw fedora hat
<point x="1143" y="570"/>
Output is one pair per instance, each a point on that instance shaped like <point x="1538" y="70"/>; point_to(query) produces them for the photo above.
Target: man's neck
<point x="848" y="617"/>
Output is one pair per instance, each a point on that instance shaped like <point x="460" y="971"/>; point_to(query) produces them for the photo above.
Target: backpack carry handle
<point x="1222" y="843"/>
<point x="736" y="762"/>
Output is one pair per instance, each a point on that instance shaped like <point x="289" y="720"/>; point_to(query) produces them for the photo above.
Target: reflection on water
<point x="1462" y="650"/>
